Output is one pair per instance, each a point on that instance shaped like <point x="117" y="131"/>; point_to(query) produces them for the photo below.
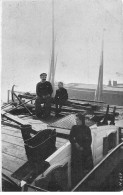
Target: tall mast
<point x="52" y="62"/>
<point x="99" y="90"/>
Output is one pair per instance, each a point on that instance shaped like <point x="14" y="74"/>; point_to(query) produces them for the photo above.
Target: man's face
<point x="78" y="121"/>
<point x="60" y="85"/>
<point x="43" y="78"/>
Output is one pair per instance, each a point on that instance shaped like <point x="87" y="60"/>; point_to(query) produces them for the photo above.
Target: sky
<point x="81" y="28"/>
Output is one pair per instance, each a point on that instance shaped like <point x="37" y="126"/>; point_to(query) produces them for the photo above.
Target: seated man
<point x="60" y="97"/>
<point x="43" y="92"/>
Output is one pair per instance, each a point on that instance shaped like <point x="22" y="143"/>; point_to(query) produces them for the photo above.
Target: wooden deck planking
<point x="11" y="163"/>
<point x="58" y="145"/>
<point x="8" y="174"/>
<point x="61" y="140"/>
<point x="62" y="131"/>
<point x="14" y="118"/>
<point x="11" y="139"/>
<point x="13" y="151"/>
<point x="10" y="126"/>
<point x="38" y="127"/>
<point x="16" y="151"/>
<point x="13" y="132"/>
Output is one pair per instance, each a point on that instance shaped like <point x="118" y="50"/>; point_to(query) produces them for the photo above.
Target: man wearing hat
<point x="43" y="92"/>
<point x="60" y="97"/>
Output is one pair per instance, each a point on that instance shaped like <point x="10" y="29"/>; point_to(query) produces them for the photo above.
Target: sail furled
<point x="99" y="90"/>
<point x="53" y="60"/>
<point x="52" y="70"/>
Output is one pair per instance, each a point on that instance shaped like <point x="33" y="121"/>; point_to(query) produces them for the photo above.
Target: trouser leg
<point x="59" y="105"/>
<point x="38" y="109"/>
<point x="57" y="109"/>
<point x="47" y="106"/>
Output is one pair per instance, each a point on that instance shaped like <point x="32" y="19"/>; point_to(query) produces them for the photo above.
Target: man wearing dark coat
<point x="81" y="157"/>
<point x="43" y="93"/>
<point x="60" y="97"/>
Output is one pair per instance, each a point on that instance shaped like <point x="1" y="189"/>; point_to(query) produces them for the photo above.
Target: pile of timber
<point x="94" y="108"/>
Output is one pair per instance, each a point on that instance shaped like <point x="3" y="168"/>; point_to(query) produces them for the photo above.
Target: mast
<point x="52" y="61"/>
<point x="99" y="90"/>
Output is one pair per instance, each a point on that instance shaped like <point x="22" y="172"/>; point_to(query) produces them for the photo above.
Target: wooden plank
<point x="13" y="118"/>
<point x="58" y="144"/>
<point x="14" y="142"/>
<point x="62" y="131"/>
<point x="11" y="163"/>
<point x="10" y="124"/>
<point x="11" y="139"/>
<point x="83" y="100"/>
<point x="38" y="127"/>
<point x="60" y="155"/>
<point x="13" y="150"/>
<point x="12" y="128"/>
<point x="61" y="140"/>
<point x="31" y="120"/>
<point x="8" y="174"/>
<point x="71" y="109"/>
<point x="15" y="133"/>
<point x="26" y="118"/>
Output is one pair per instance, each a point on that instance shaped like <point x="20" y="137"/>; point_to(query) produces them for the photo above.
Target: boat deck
<point x="13" y="151"/>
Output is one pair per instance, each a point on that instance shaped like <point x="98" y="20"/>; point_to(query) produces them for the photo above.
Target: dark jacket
<point x="61" y="94"/>
<point x="81" y="134"/>
<point x="43" y="89"/>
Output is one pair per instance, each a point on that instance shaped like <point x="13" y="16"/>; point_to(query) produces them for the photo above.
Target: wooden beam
<point x="84" y="100"/>
<point x="11" y="163"/>
<point x="14" y="118"/>
<point x="13" y="150"/>
<point x="8" y="174"/>
<point x="17" y="141"/>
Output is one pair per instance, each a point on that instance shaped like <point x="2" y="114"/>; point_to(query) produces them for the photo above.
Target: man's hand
<point x="78" y="147"/>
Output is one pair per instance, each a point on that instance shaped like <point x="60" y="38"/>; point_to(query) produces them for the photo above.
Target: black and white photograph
<point x="61" y="95"/>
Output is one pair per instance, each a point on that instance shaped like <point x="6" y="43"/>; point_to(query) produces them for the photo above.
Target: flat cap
<point x="43" y="74"/>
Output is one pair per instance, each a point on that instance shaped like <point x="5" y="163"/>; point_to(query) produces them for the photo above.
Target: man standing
<point x="43" y="92"/>
<point x="60" y="97"/>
